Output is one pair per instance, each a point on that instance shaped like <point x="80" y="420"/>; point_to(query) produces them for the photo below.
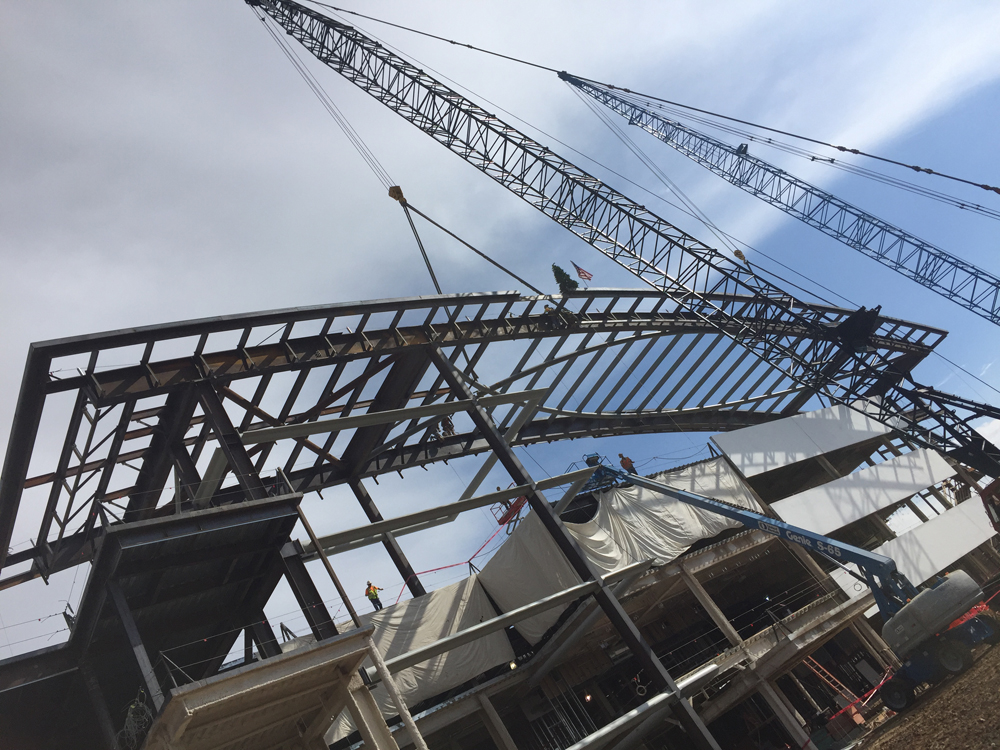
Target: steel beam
<point x="27" y="415"/>
<point x="306" y="593"/>
<point x="389" y="416"/>
<point x="174" y="419"/>
<point x="263" y="635"/>
<point x="95" y="695"/>
<point x="151" y="683"/>
<point x="409" y="659"/>
<point x="450" y="512"/>
<point x="642" y="651"/>
<point x="230" y="442"/>
<point x="396" y="554"/>
<point x="557" y="646"/>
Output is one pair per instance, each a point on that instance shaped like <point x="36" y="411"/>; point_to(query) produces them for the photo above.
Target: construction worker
<point x="372" y="593"/>
<point x="447" y="427"/>
<point x="626" y="463"/>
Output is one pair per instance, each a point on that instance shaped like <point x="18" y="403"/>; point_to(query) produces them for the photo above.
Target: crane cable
<point x="814" y="156"/>
<point x="688" y="206"/>
<point x="520" y="61"/>
<point x="396" y="193"/>
<point x="407" y="206"/>
<point x="380" y="172"/>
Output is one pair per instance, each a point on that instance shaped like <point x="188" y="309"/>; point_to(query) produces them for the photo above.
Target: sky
<point x="162" y="161"/>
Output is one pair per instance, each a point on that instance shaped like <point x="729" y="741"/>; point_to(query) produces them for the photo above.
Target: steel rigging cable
<point x="520" y="61"/>
<point x="380" y="172"/>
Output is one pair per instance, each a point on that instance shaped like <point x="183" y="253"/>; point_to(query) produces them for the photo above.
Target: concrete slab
<point x="288" y="700"/>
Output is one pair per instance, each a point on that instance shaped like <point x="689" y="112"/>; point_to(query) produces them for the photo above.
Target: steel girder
<point x="620" y="363"/>
<point x="694" y="277"/>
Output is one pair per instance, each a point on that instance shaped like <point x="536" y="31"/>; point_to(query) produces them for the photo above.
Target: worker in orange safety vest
<point x="372" y="593"/>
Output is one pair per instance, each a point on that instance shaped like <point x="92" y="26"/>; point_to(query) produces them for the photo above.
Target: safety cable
<point x="610" y="86"/>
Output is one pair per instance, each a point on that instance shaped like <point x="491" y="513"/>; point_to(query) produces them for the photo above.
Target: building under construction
<point x="612" y="616"/>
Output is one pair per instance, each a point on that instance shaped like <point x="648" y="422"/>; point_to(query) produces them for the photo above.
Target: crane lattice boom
<point x="930" y="266"/>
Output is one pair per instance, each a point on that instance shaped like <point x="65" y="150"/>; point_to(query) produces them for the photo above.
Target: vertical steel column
<point x="97" y="701"/>
<point x="138" y="649"/>
<point x="613" y="610"/>
<point x="406" y="571"/>
<point x="263" y="635"/>
<point x="306" y="593"/>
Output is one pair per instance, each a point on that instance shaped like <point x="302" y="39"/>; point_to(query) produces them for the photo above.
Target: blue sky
<point x="161" y="161"/>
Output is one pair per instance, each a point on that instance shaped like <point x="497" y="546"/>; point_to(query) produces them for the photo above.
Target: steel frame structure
<point x="930" y="266"/>
<point x="335" y="394"/>
<point x="331" y="395"/>
<point x="696" y="279"/>
<point x="620" y="364"/>
<point x="241" y="408"/>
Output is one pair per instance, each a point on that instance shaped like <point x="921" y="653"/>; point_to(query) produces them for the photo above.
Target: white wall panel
<point x="932" y="546"/>
<point x="833" y="505"/>
<point x="769" y="446"/>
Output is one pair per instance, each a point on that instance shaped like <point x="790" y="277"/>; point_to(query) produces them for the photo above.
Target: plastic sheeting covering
<point x="631" y="525"/>
<point x="526" y="568"/>
<point x="771" y="445"/>
<point x="415" y="623"/>
<point x="646" y="525"/>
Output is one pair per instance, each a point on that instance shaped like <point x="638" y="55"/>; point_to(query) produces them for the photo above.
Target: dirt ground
<point x="960" y="713"/>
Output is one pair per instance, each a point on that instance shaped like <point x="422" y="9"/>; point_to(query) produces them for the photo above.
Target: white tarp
<point x="833" y="505"/>
<point x="929" y="548"/>
<point x="528" y="567"/>
<point x="769" y="446"/>
<point x="631" y="525"/>
<point x="415" y="623"/>
<point x="646" y="525"/>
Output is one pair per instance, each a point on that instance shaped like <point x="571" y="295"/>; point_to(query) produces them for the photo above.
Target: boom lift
<point x="930" y="630"/>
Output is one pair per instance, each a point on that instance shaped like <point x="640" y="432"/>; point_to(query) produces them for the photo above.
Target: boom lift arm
<point x="930" y="630"/>
<point x="930" y="266"/>
<point x="891" y="588"/>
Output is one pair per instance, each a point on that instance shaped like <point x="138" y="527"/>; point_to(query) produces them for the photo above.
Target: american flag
<point x="585" y="275"/>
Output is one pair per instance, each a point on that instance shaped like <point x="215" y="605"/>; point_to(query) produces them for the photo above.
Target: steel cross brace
<point x="605" y="598"/>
